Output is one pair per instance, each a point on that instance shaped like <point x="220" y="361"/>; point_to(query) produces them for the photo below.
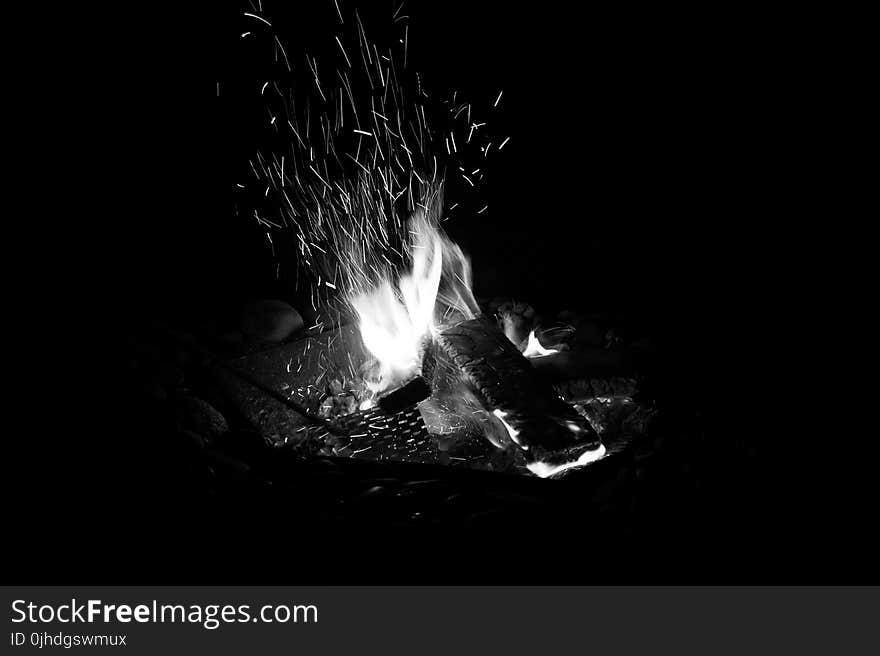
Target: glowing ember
<point x="534" y="348"/>
<point x="544" y="469"/>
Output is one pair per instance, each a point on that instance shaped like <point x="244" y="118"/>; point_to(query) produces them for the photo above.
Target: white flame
<point x="534" y="348"/>
<point x="393" y="327"/>
<point x="510" y="429"/>
<point x="395" y="323"/>
<point x="544" y="469"/>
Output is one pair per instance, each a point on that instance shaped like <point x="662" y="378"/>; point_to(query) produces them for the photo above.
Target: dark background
<point x="643" y="144"/>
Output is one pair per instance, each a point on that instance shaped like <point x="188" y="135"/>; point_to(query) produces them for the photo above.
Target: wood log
<point x="540" y="420"/>
<point x="405" y="396"/>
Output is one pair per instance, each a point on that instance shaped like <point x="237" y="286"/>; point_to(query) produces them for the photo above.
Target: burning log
<point x="538" y="420"/>
<point x="406" y="396"/>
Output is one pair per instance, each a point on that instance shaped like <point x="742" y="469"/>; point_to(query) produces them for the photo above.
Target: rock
<point x="201" y="417"/>
<point x="270" y="320"/>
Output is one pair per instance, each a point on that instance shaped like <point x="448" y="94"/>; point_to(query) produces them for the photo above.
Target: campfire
<point x="422" y="374"/>
<point x="402" y="362"/>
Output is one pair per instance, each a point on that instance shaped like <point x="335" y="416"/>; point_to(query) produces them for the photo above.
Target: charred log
<point x="405" y="396"/>
<point x="540" y="420"/>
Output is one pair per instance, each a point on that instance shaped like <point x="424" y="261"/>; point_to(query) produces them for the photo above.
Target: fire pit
<point x="402" y="363"/>
<point x="494" y="411"/>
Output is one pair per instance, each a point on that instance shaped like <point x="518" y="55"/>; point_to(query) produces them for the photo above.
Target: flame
<point x="534" y="348"/>
<point x="544" y="469"/>
<point x="396" y="320"/>
<point x="510" y="429"/>
<point x="393" y="325"/>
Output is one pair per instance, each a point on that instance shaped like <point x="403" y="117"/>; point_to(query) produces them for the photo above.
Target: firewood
<point x="539" y="420"/>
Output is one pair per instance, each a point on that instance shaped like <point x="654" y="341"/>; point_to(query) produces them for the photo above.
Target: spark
<point x="498" y="99"/>
<point x="283" y="52"/>
<point x="259" y="18"/>
<point x="349" y="201"/>
<point x="313" y="65"/>
<point x="347" y="61"/>
<point x="502" y="143"/>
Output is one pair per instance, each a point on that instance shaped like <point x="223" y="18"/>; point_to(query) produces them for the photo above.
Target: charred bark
<point x="543" y="423"/>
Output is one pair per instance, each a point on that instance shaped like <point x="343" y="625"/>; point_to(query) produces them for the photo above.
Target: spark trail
<point x="364" y="148"/>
